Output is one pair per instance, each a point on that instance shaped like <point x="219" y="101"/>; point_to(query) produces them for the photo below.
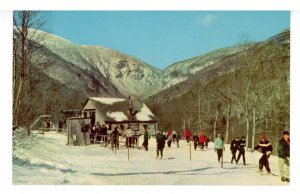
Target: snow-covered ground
<point x="50" y="161"/>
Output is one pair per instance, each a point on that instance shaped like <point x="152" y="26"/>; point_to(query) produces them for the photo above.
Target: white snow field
<point x="50" y="161"/>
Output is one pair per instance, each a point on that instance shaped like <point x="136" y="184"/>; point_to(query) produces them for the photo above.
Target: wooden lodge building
<point x="123" y="112"/>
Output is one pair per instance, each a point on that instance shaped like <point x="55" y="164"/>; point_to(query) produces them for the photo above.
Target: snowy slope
<point x="52" y="162"/>
<point x="129" y="74"/>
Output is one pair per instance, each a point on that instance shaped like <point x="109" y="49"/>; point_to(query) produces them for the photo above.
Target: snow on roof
<point x="144" y="114"/>
<point x="116" y="109"/>
<point x="117" y="116"/>
<point x="108" y="101"/>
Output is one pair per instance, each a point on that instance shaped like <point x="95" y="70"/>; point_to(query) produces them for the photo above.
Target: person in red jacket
<point x="202" y="140"/>
<point x="187" y="135"/>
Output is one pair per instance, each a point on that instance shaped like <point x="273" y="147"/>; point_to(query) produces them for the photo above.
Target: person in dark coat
<point x="146" y="138"/>
<point x="104" y="132"/>
<point x="177" y="140"/>
<point x="241" y="149"/>
<point x="114" y="136"/>
<point x="206" y="142"/>
<point x="234" y="145"/>
<point x="160" y="140"/>
<point x="98" y="132"/>
<point x="266" y="150"/>
<point x="196" y="140"/>
<point x="60" y="126"/>
<point x="283" y="149"/>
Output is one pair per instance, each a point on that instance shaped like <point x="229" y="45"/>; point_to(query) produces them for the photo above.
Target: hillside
<point x="223" y="96"/>
<point x="103" y="70"/>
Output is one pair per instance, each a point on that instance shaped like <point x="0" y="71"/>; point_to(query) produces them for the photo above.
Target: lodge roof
<point x="117" y="110"/>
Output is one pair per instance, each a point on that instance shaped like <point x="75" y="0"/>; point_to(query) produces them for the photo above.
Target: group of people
<point x="98" y="133"/>
<point x="200" y="140"/>
<point x="238" y="144"/>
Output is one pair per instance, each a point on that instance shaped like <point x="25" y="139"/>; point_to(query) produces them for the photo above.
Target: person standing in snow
<point x="114" y="136"/>
<point x="187" y="135"/>
<point x="283" y="149"/>
<point x="104" y="132"/>
<point x="219" y="147"/>
<point x="160" y="140"/>
<point x="234" y="147"/>
<point x="177" y="140"/>
<point x="146" y="138"/>
<point x="202" y="140"/>
<point x="174" y="135"/>
<point x="266" y="149"/>
<point x="169" y="140"/>
<point x="93" y="133"/>
<point x="241" y="149"/>
<point x="196" y="140"/>
<point x="128" y="135"/>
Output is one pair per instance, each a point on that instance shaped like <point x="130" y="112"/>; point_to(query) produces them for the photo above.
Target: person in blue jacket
<point x="219" y="146"/>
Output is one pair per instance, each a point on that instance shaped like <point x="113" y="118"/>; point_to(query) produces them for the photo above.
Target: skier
<point x="266" y="149"/>
<point x="234" y="147"/>
<point x="128" y="135"/>
<point x="146" y="138"/>
<point x="174" y="135"/>
<point x="160" y="140"/>
<point x="202" y="140"/>
<point x="114" y="136"/>
<point x="196" y="140"/>
<point x="206" y="142"/>
<point x="104" y="132"/>
<point x="177" y="140"/>
<point x="187" y="135"/>
<point x="98" y="132"/>
<point x="241" y="149"/>
<point x="169" y="140"/>
<point x="219" y="147"/>
<point x="283" y="149"/>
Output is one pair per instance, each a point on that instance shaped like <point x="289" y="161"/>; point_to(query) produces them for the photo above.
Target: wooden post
<point x="190" y="150"/>
<point x="128" y="147"/>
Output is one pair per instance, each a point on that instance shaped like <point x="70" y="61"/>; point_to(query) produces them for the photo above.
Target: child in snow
<point x="219" y="147"/>
<point x="266" y="149"/>
<point x="241" y="148"/>
<point x="234" y="147"/>
<point x="283" y="149"/>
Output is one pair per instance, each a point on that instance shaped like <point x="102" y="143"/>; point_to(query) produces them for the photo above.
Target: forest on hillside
<point x="244" y="95"/>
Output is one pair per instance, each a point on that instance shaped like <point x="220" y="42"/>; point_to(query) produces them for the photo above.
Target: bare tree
<point x="25" y="27"/>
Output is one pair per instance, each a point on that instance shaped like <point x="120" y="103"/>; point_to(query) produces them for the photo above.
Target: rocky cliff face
<point x="96" y="70"/>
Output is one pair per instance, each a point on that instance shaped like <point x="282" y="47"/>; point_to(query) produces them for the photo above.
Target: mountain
<point x="246" y="88"/>
<point x="183" y="70"/>
<point x="95" y="70"/>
